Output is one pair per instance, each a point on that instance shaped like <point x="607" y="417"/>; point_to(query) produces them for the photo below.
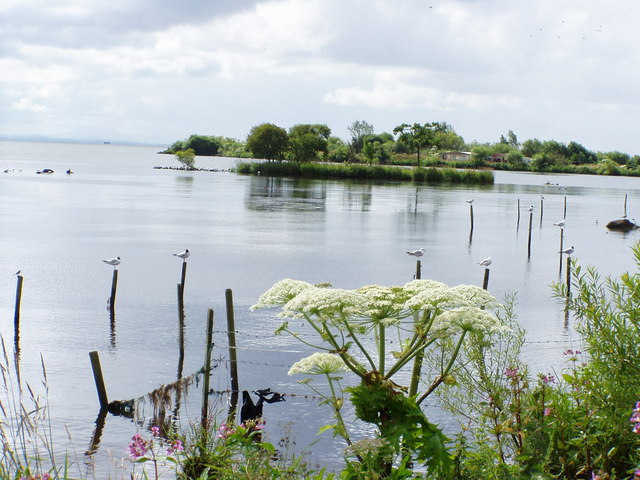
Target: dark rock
<point x="621" y="225"/>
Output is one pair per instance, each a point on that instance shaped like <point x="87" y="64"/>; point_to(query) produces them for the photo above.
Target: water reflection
<point x="276" y="194"/>
<point x="357" y="197"/>
<point x="184" y="185"/>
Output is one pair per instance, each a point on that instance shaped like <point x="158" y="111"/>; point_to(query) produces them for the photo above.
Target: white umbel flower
<point x="318" y="364"/>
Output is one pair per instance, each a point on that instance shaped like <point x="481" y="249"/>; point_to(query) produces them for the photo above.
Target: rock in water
<point x="621" y="225"/>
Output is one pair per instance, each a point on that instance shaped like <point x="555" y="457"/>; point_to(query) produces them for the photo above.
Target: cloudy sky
<point x="155" y="71"/>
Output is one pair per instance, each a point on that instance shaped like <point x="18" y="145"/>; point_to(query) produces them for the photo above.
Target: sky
<point x="157" y="71"/>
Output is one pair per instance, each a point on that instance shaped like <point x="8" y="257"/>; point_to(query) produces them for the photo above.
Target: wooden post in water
<point x="568" y="276"/>
<point x="541" y="209"/>
<point x="207" y="372"/>
<point x="564" y="213"/>
<point x="518" y="224"/>
<point x="16" y="316"/>
<point x="114" y="288"/>
<point x="183" y="278"/>
<point x="418" y="269"/>
<point x="233" y="356"/>
<point x="471" y="218"/>
<point x="561" y="245"/>
<point x="97" y="376"/>
<point x="485" y="282"/>
<point x="625" y="206"/>
<point x="180" y="331"/>
<point x="529" y="241"/>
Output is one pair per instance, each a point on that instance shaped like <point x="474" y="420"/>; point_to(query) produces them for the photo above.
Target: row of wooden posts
<point x="97" y="370"/>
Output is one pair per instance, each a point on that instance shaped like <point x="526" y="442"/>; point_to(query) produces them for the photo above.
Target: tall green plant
<point x="359" y="325"/>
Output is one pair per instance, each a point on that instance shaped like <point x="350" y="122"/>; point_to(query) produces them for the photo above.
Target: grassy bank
<point x="366" y="172"/>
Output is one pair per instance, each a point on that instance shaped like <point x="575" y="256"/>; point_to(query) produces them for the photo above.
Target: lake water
<point x="245" y="233"/>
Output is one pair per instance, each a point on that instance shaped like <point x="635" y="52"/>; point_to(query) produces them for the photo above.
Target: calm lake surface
<point x="246" y="233"/>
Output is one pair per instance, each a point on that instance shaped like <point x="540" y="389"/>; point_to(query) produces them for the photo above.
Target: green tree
<point x="481" y="153"/>
<point x="416" y="137"/>
<point x="578" y="155"/>
<point x="307" y="141"/>
<point x="531" y="147"/>
<point x="202" y="145"/>
<point x="376" y="151"/>
<point x="358" y="130"/>
<point x="187" y="158"/>
<point x="338" y="150"/>
<point x="268" y="141"/>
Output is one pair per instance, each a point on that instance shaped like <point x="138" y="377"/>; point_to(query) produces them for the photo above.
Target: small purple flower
<point x="547" y="412"/>
<point x="155" y="431"/>
<point x="138" y="447"/>
<point x="512" y="373"/>
<point x="176" y="446"/>
<point x="547" y="379"/>
<point x="225" y="430"/>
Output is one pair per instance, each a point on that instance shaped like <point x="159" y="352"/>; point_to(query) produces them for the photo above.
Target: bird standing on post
<point x="113" y="261"/>
<point x="568" y="251"/>
<point x="183" y="255"/>
<point x="416" y="253"/>
<point x="560" y="223"/>
<point x="486" y="262"/>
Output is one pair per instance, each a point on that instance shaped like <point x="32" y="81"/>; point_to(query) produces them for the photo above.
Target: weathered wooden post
<point x="518" y="221"/>
<point x="565" y="208"/>
<point x="418" y="269"/>
<point x="114" y="287"/>
<point x="561" y="245"/>
<point x="97" y="376"/>
<point x="183" y="277"/>
<point x="541" y="209"/>
<point x="568" y="275"/>
<point x="207" y="372"/>
<point x="233" y="356"/>
<point x="16" y="316"/>
<point x="180" y="331"/>
<point x="625" y="206"/>
<point x="529" y="240"/>
<point x="485" y="282"/>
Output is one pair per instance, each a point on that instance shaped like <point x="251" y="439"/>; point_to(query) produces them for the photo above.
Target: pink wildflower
<point x="138" y="447"/>
<point x="176" y="446"/>
<point x="512" y="373"/>
<point x="547" y="379"/>
<point x="547" y="412"/>
<point x="225" y="430"/>
<point x="155" y="431"/>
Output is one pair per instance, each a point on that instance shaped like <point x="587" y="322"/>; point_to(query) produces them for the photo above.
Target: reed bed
<point x="431" y="175"/>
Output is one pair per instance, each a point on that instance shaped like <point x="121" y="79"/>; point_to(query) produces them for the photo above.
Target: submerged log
<point x="621" y="225"/>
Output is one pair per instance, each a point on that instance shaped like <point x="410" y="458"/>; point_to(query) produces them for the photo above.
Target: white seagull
<point x="417" y="253"/>
<point x="531" y="208"/>
<point x="568" y="251"/>
<point x="560" y="223"/>
<point x="183" y="255"/>
<point x="486" y="262"/>
<point x="113" y="261"/>
<point x="469" y="201"/>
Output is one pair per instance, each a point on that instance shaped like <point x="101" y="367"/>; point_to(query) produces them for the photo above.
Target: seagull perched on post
<point x="469" y="201"/>
<point x="486" y="262"/>
<point x="417" y="253"/>
<point x="183" y="255"/>
<point x="568" y="251"/>
<point x="531" y="208"/>
<point x="560" y="223"/>
<point x="113" y="261"/>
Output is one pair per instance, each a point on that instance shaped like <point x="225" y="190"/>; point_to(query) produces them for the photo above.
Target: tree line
<point x="420" y="144"/>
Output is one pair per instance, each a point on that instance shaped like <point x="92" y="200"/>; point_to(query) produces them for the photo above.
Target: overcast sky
<point x="156" y="71"/>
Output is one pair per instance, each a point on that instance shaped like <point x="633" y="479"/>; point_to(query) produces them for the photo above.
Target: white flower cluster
<point x="470" y="319"/>
<point x="318" y="364"/>
<point x="281" y="293"/>
<point x="464" y="307"/>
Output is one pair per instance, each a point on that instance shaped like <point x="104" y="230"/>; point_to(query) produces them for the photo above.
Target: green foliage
<point x="608" y="167"/>
<point x="418" y="136"/>
<point x="359" y="130"/>
<point x="187" y="158"/>
<point x="308" y="141"/>
<point x="268" y="141"/>
<point x="354" y="171"/>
